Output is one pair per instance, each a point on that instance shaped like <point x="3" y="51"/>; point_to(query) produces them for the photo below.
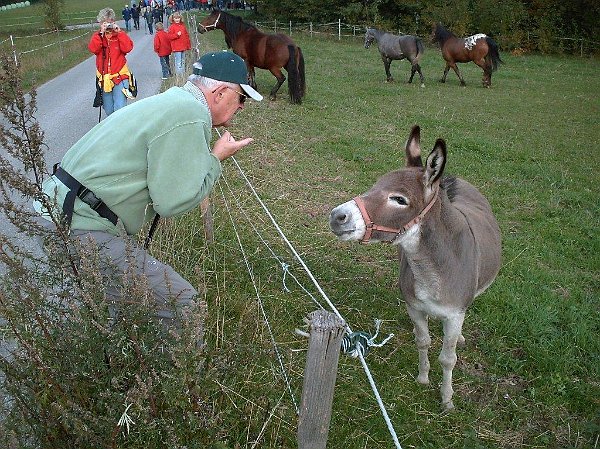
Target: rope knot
<point x="359" y="342"/>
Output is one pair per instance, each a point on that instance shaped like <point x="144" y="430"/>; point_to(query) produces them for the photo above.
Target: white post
<point x="290" y="27"/>
<point x="339" y="29"/>
<point x="310" y="29"/>
<point x="275" y="25"/>
<point x="12" y="43"/>
<point x="62" y="52"/>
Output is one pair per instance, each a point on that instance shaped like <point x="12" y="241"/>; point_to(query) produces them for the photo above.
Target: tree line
<point x="529" y="25"/>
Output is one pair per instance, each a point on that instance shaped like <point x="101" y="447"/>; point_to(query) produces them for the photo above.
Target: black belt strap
<point x="76" y="189"/>
<point x="152" y="230"/>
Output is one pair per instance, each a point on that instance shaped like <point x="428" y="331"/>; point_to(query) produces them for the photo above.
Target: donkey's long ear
<point x="413" y="148"/>
<point x="436" y="161"/>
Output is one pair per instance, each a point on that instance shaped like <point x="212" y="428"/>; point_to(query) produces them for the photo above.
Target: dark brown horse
<point x="479" y="48"/>
<point x="265" y="51"/>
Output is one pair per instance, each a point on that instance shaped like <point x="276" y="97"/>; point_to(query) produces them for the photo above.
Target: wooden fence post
<point x="207" y="219"/>
<point x="326" y="334"/>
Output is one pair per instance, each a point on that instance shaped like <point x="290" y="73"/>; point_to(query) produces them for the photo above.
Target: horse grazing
<point x="479" y="48"/>
<point x="392" y="47"/>
<point x="448" y="244"/>
<point x="265" y="51"/>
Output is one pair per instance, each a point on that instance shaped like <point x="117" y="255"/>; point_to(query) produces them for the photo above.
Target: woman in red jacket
<point x="110" y="45"/>
<point x="180" y="41"/>
<point x="162" y="47"/>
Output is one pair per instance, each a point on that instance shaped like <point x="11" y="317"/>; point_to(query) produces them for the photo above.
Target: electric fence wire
<point x="325" y="297"/>
<point x="260" y="303"/>
<point x="284" y="266"/>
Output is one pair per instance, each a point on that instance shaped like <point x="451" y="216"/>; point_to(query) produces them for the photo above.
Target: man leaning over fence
<point x="111" y="182"/>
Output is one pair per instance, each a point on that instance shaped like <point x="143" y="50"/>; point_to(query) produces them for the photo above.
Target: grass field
<point x="528" y="376"/>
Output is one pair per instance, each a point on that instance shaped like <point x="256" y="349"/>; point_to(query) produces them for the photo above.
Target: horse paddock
<point x="527" y="376"/>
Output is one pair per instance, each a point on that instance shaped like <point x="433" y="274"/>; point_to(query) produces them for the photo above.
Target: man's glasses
<point x="242" y="98"/>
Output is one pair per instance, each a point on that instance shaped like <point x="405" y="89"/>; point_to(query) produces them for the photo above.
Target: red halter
<point x="370" y="226"/>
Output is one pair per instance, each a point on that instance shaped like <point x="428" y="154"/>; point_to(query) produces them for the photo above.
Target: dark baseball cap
<point x="228" y="67"/>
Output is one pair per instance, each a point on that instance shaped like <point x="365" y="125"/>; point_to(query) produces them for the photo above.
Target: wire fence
<point x="341" y="30"/>
<point x="22" y="45"/>
<point x="72" y="19"/>
<point x="338" y="29"/>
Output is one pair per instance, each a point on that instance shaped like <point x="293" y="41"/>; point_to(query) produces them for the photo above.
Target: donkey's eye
<point x="399" y="199"/>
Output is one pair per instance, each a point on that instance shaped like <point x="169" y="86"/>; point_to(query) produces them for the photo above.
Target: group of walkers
<point x="111" y="45"/>
<point x="176" y="41"/>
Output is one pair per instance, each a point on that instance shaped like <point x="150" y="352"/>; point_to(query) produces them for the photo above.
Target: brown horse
<point x="479" y="48"/>
<point x="448" y="243"/>
<point x="265" y="51"/>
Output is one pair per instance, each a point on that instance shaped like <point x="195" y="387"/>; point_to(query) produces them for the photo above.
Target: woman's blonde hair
<point x="175" y="14"/>
<point x="106" y="15"/>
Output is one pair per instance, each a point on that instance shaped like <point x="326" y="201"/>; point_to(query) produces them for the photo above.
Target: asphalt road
<point x="65" y="111"/>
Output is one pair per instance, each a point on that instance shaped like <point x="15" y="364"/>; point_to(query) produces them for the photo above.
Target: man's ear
<point x="218" y="94"/>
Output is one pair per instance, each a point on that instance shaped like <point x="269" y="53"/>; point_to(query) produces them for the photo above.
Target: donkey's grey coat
<point x="446" y="260"/>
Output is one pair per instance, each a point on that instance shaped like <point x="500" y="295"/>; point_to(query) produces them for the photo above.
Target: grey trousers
<point x="119" y="255"/>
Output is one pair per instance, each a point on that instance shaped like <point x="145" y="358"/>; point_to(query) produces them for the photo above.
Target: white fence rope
<point x="325" y="297"/>
<point x="60" y="41"/>
<point x="35" y="35"/>
<point x="260" y="302"/>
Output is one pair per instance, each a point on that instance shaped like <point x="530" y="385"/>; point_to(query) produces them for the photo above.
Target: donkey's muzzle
<point x="346" y="222"/>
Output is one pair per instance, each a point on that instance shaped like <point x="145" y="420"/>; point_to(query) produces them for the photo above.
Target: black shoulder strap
<point x="151" y="232"/>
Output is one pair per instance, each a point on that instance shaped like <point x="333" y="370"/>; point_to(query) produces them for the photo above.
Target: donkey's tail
<point x="296" y="78"/>
<point x="493" y="55"/>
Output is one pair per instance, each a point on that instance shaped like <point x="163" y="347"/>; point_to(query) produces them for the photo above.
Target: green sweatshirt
<point x="152" y="156"/>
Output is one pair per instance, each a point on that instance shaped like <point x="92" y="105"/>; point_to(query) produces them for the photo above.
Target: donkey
<point x="448" y="244"/>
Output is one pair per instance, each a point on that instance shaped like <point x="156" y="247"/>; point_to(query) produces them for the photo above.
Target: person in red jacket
<point x="111" y="45"/>
<point x="162" y="46"/>
<point x="180" y="41"/>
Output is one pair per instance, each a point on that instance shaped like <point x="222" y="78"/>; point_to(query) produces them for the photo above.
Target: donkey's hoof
<point x="389" y="80"/>
<point x="422" y="84"/>
<point x="423" y="379"/>
<point x="272" y="97"/>
<point x="447" y="406"/>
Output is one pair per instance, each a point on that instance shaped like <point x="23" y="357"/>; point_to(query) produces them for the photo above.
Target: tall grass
<point x="528" y="376"/>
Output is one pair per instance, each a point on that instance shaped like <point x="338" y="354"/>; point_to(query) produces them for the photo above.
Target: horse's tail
<point x="295" y="70"/>
<point x="493" y="54"/>
<point x="420" y="48"/>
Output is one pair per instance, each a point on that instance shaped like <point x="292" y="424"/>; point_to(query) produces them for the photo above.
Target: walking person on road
<point x="111" y="45"/>
<point x="162" y="47"/>
<point x="127" y="18"/>
<point x="111" y="182"/>
<point x="135" y="15"/>
<point x="149" y="16"/>
<point x="180" y="42"/>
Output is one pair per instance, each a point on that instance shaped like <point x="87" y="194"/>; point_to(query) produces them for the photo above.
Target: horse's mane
<point x="234" y="26"/>
<point x="441" y="34"/>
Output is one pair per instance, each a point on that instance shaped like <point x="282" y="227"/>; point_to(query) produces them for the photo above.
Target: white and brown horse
<point x="448" y="242"/>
